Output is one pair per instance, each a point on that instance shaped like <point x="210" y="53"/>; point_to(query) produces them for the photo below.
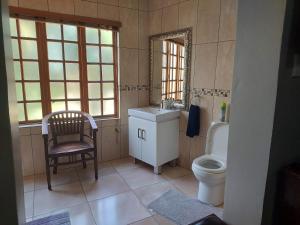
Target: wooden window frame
<point x="169" y="69"/>
<point x="40" y="18"/>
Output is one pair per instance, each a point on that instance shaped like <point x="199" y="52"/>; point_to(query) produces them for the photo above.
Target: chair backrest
<point x="66" y="123"/>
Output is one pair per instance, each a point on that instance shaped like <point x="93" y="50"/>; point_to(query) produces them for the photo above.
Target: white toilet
<point x="210" y="168"/>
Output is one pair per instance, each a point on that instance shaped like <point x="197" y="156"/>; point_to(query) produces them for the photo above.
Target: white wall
<point x="259" y="33"/>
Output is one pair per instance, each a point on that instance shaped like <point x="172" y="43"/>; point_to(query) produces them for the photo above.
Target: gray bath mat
<point x="58" y="219"/>
<point x="181" y="209"/>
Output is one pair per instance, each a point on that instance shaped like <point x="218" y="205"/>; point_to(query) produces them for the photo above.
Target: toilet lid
<point x="217" y="140"/>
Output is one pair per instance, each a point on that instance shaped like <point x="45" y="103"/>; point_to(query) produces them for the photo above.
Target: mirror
<point x="170" y="60"/>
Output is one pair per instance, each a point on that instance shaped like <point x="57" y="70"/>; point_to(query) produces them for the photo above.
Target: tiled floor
<point x="120" y="196"/>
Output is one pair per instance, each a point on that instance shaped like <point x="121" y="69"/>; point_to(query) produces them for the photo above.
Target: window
<point x="172" y="70"/>
<point x="63" y="67"/>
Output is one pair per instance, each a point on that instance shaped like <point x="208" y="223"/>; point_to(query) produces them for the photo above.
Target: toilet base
<point x="211" y="194"/>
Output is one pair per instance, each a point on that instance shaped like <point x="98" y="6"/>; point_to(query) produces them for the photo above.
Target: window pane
<point x="70" y="32"/>
<point x="57" y="90"/>
<point x="27" y="28"/>
<point x="91" y="35"/>
<point x="31" y="70"/>
<point x="17" y="70"/>
<point x="74" y="105"/>
<point x="34" y="111"/>
<point x="164" y="60"/>
<point x="95" y="108"/>
<point x="19" y="92"/>
<point x="58" y="106"/>
<point x="93" y="72"/>
<point x="108" y="90"/>
<point x="73" y="90"/>
<point x="29" y="49"/>
<point x="107" y="54"/>
<point x="106" y="37"/>
<point x="71" y="52"/>
<point x="108" y="107"/>
<point x="72" y="71"/>
<point x="92" y="53"/>
<point x="94" y="90"/>
<point x="108" y="72"/>
<point x="33" y="91"/>
<point x="53" y="31"/>
<point x="21" y="112"/>
<point x="15" y="48"/>
<point x="54" y="51"/>
<point x="56" y="71"/>
<point x="164" y="74"/>
<point x="13" y="27"/>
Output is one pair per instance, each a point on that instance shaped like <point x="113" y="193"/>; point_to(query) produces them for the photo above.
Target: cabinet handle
<point x="143" y="135"/>
<point x="139" y="129"/>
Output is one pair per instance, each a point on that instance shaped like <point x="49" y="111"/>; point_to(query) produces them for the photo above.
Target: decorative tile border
<point x="133" y="87"/>
<point x="197" y="92"/>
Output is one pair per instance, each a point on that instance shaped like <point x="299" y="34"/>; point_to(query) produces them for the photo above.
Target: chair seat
<point x="70" y="147"/>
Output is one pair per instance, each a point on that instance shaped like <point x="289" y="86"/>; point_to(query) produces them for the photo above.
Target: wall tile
<point x="184" y="115"/>
<point x="197" y="148"/>
<point x="129" y="66"/>
<point x="184" y="150"/>
<point x="144" y="5"/>
<point x="170" y="18"/>
<point x="34" y="4"/>
<point x="188" y="14"/>
<point x="205" y="65"/>
<point x="217" y="103"/>
<point x="26" y="154"/>
<point x="111" y="123"/>
<point x="24" y="131"/>
<point x="143" y="30"/>
<point x="155" y="22"/>
<point x="39" y="154"/>
<point x="111" y="142"/>
<point x="143" y="98"/>
<point x="129" y="30"/>
<point x="167" y="3"/>
<point x="62" y="6"/>
<point x="208" y="21"/>
<point x="228" y="20"/>
<point x="129" y="99"/>
<point x="124" y="141"/>
<point x="155" y="4"/>
<point x="109" y="12"/>
<point x="133" y="4"/>
<point x="110" y="2"/>
<point x="225" y="65"/>
<point x="206" y="105"/>
<point x="85" y="8"/>
<point x="36" y="129"/>
<point x="143" y="67"/>
<point x="13" y="3"/>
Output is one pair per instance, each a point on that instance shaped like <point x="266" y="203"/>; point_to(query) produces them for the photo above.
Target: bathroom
<point x="203" y="33"/>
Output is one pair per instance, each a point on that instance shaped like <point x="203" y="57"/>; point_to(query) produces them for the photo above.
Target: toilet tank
<point x="217" y="140"/>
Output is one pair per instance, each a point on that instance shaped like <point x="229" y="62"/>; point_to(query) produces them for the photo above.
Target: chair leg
<point x="83" y="160"/>
<point x="55" y="166"/>
<point x="96" y="165"/>
<point x="48" y="175"/>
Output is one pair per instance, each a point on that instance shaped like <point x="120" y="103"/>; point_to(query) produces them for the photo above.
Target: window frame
<point x="41" y="18"/>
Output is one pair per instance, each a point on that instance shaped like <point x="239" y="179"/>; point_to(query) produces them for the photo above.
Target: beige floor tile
<point x="174" y="172"/>
<point x="147" y="221"/>
<point x="122" y="209"/>
<point x="62" y="177"/>
<point x="149" y="193"/>
<point x="140" y="177"/>
<point x="187" y="184"/>
<point x="79" y="214"/>
<point x="162" y="220"/>
<point x="124" y="164"/>
<point x="104" y="169"/>
<point x="28" y="198"/>
<point x="104" y="187"/>
<point x="62" y="196"/>
<point x="28" y="182"/>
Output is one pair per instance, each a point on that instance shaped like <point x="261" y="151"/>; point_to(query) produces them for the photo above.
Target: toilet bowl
<point x="210" y="168"/>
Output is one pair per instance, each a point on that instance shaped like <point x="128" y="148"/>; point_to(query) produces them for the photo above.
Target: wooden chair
<point x="67" y="123"/>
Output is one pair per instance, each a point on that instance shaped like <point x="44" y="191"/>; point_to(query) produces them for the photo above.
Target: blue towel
<point x="193" y="126"/>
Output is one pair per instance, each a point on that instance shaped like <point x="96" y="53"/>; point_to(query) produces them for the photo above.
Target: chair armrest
<point x="91" y="120"/>
<point x="45" y="125"/>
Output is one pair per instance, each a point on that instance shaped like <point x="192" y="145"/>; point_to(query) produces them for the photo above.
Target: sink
<point x="154" y="114"/>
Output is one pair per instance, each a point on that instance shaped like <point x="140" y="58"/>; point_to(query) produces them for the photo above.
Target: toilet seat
<point x="209" y="164"/>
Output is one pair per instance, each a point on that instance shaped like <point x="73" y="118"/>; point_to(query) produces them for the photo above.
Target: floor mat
<point x="58" y="219"/>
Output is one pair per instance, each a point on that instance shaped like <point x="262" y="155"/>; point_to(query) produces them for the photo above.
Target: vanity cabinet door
<point x="148" y="141"/>
<point x="134" y="135"/>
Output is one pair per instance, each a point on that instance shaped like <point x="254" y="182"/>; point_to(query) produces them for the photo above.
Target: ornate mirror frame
<point x="186" y="33"/>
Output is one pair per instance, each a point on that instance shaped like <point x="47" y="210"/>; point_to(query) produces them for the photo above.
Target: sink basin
<point x="154" y="114"/>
